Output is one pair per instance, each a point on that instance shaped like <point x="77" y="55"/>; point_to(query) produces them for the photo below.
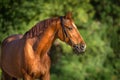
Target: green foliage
<point x="0" y="74"/>
<point x="97" y="21"/>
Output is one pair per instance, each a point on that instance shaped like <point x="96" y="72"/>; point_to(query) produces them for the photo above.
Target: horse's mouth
<point x="78" y="51"/>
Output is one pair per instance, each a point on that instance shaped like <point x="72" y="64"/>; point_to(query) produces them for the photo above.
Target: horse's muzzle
<point x="79" y="48"/>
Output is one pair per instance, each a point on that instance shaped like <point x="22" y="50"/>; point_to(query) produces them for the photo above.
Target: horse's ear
<point x="68" y="15"/>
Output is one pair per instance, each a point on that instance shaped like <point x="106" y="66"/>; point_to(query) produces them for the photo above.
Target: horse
<point x="26" y="56"/>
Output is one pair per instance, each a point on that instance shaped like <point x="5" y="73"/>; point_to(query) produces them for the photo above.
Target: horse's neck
<point x="44" y="43"/>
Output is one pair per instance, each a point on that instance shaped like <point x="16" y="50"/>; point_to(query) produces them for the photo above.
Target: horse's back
<point x="9" y="53"/>
<point x="11" y="38"/>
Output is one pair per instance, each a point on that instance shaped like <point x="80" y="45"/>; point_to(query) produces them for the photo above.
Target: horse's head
<point x="69" y="33"/>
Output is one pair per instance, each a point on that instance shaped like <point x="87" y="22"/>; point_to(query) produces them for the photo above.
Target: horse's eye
<point x="70" y="28"/>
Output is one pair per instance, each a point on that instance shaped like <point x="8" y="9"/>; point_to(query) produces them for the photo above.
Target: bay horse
<point x="26" y="56"/>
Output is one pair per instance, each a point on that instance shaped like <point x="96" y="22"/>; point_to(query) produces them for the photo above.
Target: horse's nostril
<point x="77" y="47"/>
<point x="82" y="46"/>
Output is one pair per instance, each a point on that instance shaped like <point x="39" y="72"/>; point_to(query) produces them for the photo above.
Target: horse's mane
<point x="39" y="28"/>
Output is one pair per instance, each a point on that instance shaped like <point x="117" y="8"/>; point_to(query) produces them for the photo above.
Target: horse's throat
<point x="45" y="43"/>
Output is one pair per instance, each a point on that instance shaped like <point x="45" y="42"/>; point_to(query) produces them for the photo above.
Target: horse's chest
<point x="37" y="68"/>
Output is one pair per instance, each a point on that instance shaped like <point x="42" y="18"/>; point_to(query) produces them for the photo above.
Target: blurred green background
<point x="98" y="22"/>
